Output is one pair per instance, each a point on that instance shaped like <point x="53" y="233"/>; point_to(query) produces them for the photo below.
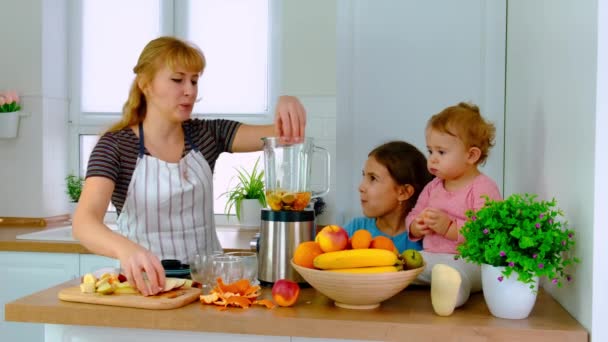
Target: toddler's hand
<point x="436" y="220"/>
<point x="418" y="228"/>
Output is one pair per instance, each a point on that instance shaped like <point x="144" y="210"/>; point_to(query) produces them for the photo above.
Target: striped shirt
<point x="115" y="154"/>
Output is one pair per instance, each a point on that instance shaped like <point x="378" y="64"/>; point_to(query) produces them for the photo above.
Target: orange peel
<point x="239" y="294"/>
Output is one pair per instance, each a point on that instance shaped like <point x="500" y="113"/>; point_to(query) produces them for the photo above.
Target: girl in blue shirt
<point x="393" y="176"/>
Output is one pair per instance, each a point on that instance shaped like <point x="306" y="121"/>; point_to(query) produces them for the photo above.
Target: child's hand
<point x="436" y="220"/>
<point x="418" y="228"/>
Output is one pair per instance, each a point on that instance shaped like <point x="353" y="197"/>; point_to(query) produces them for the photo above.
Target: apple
<point x="87" y="287"/>
<point x="332" y="238"/>
<point x="412" y="258"/>
<point x="105" y="288"/>
<point x="285" y="292"/>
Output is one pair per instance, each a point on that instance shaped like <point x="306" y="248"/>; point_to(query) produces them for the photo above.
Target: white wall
<point x="550" y="123"/>
<point x="33" y="164"/>
<point x="599" y="311"/>
<point x="400" y="62"/>
<point x="309" y="47"/>
<point x="308" y="66"/>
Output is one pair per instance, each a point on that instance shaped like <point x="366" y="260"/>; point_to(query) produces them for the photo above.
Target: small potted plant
<point x="247" y="197"/>
<point x="517" y="241"/>
<point x="9" y="114"/>
<point x="73" y="189"/>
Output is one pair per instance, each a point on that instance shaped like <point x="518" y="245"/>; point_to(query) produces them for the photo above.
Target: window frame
<point x="80" y="123"/>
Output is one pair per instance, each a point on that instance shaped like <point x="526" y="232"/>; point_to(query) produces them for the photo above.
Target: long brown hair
<point x="406" y="165"/>
<point x="163" y="51"/>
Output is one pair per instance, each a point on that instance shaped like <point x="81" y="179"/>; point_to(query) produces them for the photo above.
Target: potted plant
<point x="73" y="189"/>
<point x="247" y="197"/>
<point x="9" y="114"/>
<point x="517" y="241"/>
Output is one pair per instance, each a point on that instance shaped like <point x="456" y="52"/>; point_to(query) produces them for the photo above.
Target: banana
<point x="352" y="258"/>
<point x="371" y="269"/>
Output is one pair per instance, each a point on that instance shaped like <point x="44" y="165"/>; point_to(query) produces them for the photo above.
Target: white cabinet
<point x="25" y="273"/>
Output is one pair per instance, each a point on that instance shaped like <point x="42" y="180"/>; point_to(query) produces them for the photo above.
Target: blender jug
<point x="287" y="172"/>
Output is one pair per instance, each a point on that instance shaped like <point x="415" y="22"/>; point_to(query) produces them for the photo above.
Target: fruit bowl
<point x="358" y="290"/>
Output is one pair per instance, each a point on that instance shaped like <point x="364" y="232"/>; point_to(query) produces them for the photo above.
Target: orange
<point x="382" y="242"/>
<point x="305" y="253"/>
<point x="361" y="239"/>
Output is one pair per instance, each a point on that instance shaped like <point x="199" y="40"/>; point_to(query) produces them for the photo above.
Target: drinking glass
<point x="201" y="270"/>
<point x="227" y="267"/>
<point x="250" y="265"/>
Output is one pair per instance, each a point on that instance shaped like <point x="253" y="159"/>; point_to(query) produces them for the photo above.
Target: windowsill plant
<point x="522" y="234"/>
<point x="74" y="187"/>
<point x="250" y="186"/>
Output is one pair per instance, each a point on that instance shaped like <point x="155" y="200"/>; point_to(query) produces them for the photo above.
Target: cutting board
<point x="168" y="300"/>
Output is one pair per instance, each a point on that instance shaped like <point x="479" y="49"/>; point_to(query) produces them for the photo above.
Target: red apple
<point x="285" y="292"/>
<point x="332" y="238"/>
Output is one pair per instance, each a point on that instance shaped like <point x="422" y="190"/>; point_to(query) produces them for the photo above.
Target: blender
<point x="287" y="222"/>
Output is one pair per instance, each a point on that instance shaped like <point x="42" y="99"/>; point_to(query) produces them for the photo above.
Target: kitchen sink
<point x="231" y="237"/>
<point x="63" y="233"/>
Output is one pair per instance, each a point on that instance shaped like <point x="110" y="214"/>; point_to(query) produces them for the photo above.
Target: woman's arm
<point x="89" y="229"/>
<point x="289" y="122"/>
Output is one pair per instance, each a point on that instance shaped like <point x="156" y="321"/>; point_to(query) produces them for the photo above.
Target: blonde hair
<point x="163" y="51"/>
<point x="466" y="123"/>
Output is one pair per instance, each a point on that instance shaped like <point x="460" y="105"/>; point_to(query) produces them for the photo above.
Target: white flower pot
<point x="9" y="125"/>
<point x="251" y="212"/>
<point x="508" y="298"/>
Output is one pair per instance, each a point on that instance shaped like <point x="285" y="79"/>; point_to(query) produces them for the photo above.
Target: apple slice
<point x="125" y="290"/>
<point x="105" y="288"/>
<point x="87" y="287"/>
<point x="89" y="278"/>
<point x="173" y="283"/>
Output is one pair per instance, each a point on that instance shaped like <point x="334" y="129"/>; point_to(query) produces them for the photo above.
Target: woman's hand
<point x="290" y="118"/>
<point x="143" y="270"/>
<point x="289" y="125"/>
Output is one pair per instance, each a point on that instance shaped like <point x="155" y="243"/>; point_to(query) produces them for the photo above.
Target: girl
<point x="458" y="140"/>
<point x="393" y="176"/>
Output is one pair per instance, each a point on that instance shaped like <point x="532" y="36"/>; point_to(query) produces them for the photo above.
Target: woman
<point x="156" y="166"/>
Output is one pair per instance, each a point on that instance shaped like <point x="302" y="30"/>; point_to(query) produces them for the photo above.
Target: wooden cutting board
<point x="168" y="300"/>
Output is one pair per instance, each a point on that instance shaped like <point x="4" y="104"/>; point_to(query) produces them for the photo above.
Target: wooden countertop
<point x="9" y="242"/>
<point x="409" y="314"/>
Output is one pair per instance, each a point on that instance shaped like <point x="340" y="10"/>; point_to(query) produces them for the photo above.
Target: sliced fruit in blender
<point x="288" y="198"/>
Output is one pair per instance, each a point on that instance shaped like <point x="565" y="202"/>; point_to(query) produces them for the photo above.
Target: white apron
<point x="169" y="206"/>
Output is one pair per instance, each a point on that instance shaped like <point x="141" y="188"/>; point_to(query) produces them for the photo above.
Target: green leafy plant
<point x="250" y="186"/>
<point x="74" y="187"/>
<point x="522" y="234"/>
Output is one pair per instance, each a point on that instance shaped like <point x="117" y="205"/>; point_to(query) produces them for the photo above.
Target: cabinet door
<point x="91" y="262"/>
<point x="25" y="273"/>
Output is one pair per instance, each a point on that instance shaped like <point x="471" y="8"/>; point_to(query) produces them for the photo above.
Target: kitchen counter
<point x="233" y="238"/>
<point x="10" y="243"/>
<point x="407" y="315"/>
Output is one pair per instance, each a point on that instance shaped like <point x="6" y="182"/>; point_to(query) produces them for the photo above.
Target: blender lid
<point x="288" y="216"/>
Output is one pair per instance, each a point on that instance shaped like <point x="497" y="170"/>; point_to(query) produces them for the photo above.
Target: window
<point x="238" y="83"/>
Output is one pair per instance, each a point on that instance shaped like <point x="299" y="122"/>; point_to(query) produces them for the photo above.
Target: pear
<point x="412" y="259"/>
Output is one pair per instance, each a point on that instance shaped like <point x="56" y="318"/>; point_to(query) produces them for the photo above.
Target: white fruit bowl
<point x="357" y="290"/>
